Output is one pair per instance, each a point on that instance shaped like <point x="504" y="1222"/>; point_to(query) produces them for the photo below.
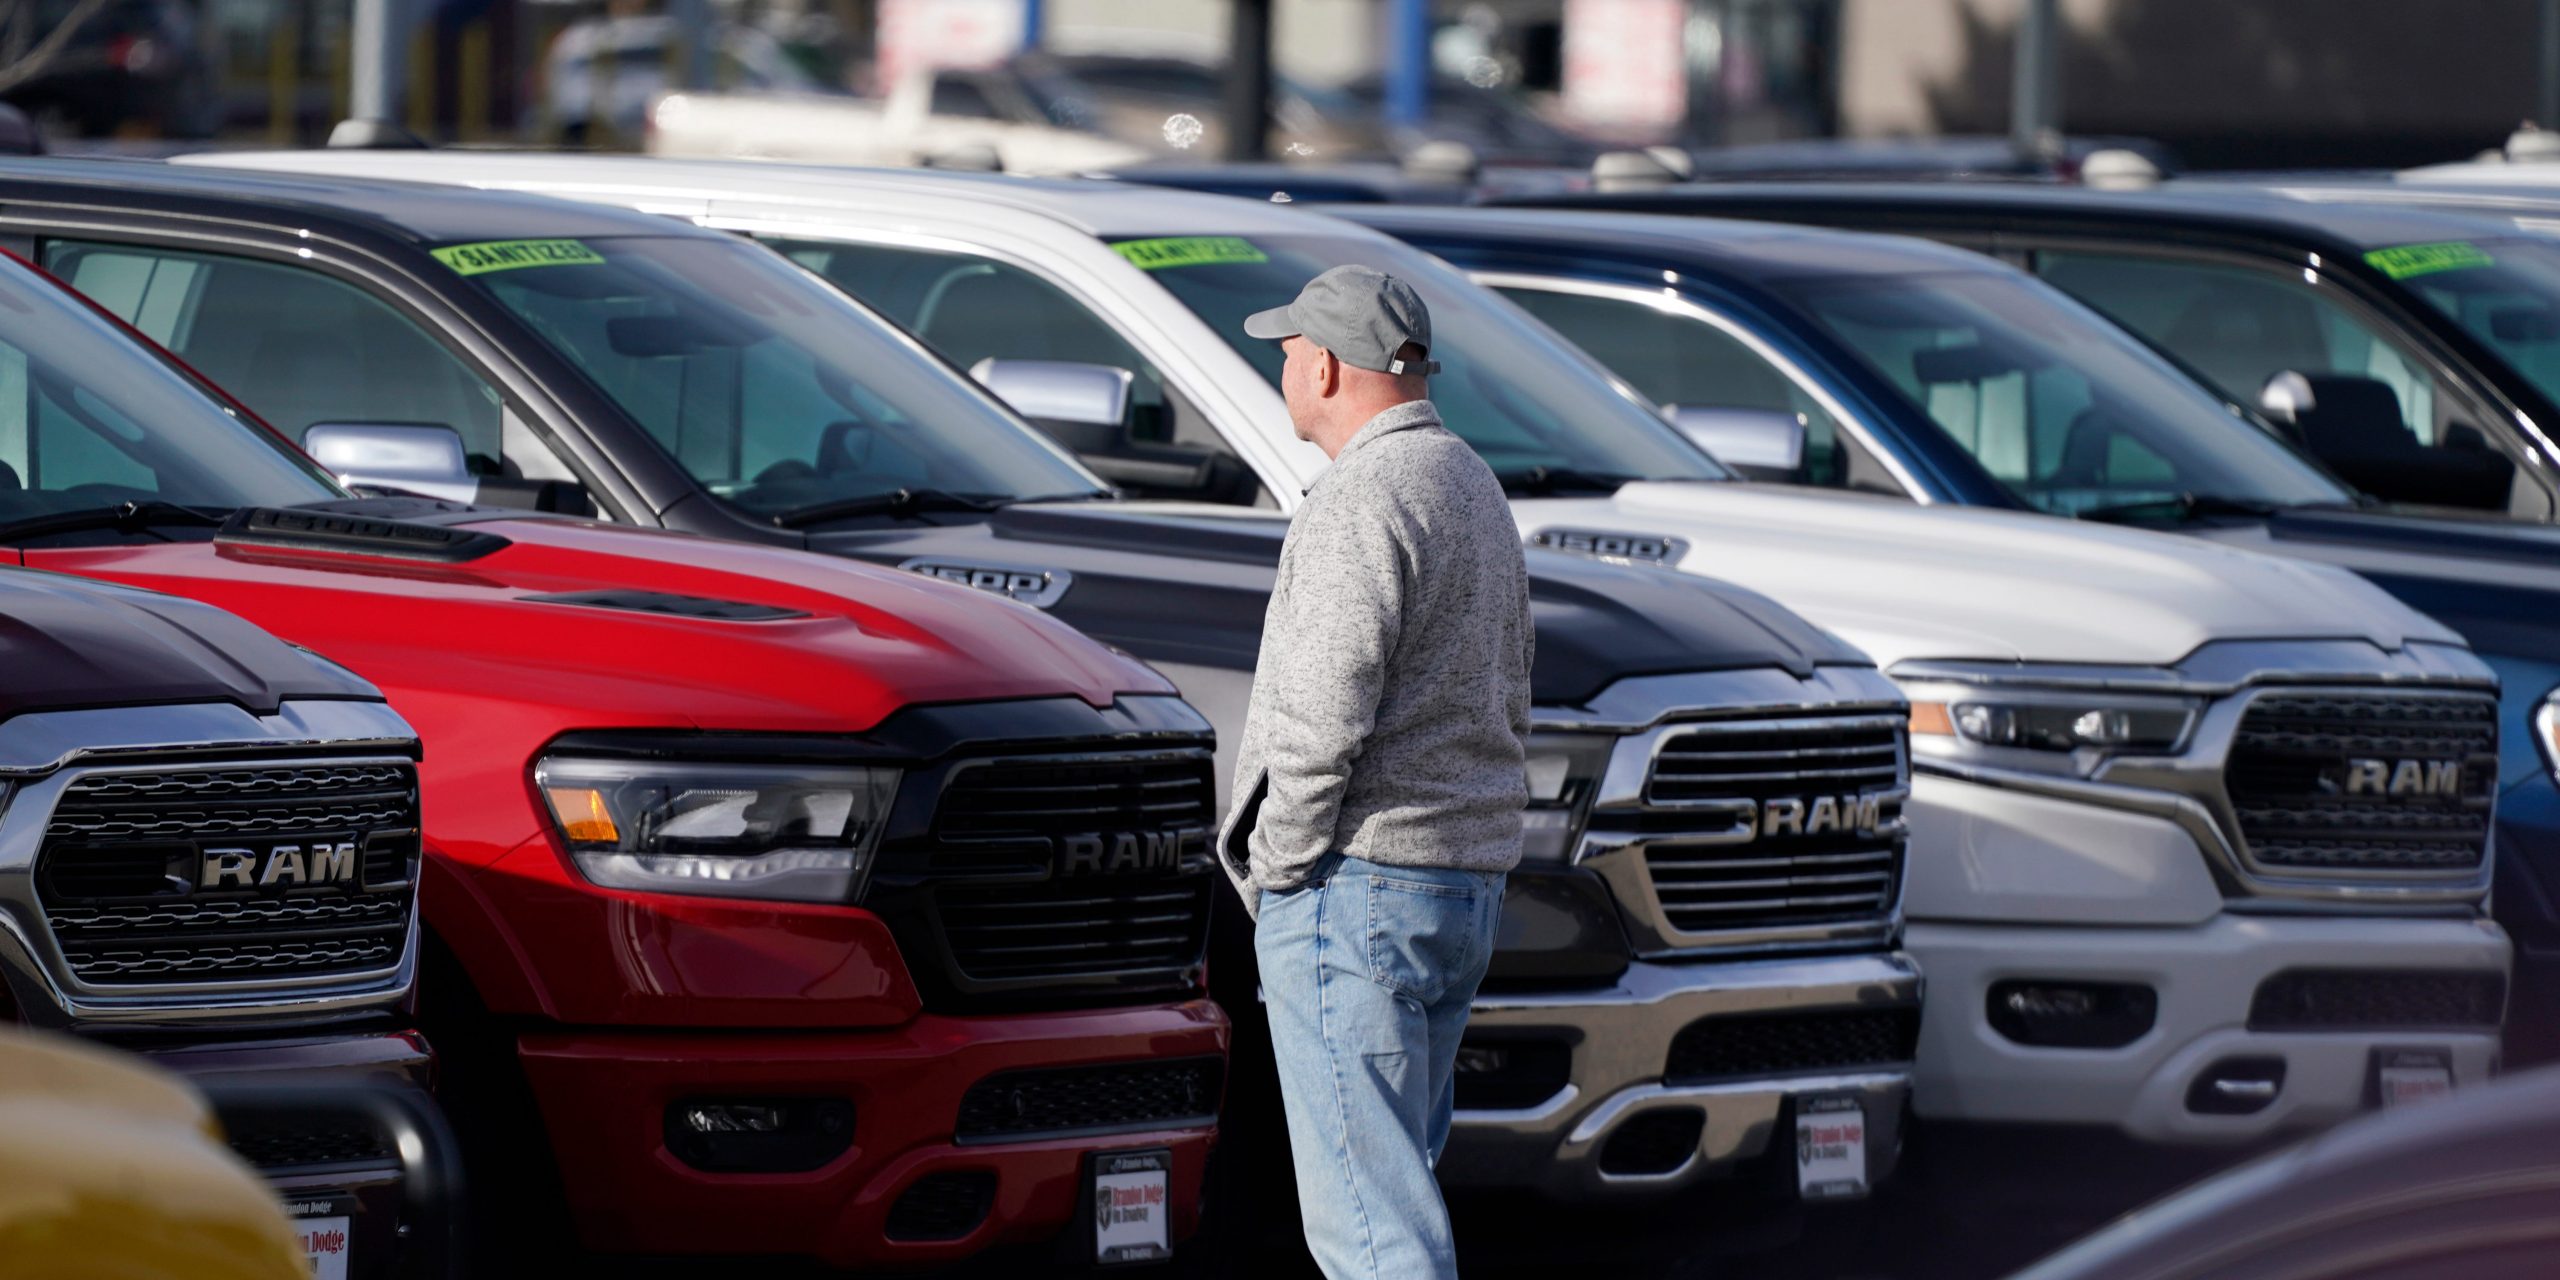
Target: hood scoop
<point x="673" y="606"/>
<point x="318" y="529"/>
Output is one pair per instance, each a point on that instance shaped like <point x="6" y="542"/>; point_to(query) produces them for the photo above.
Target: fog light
<point x="733" y="1118"/>
<point x="2072" y="1015"/>
<point x="1481" y="1060"/>
<point x="759" y="1135"/>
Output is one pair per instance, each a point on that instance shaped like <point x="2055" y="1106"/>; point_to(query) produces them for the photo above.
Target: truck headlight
<point x="1564" y="771"/>
<point x="2049" y="730"/>
<point x="784" y="832"/>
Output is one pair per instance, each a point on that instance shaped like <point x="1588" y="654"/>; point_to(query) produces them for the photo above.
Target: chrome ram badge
<point x="1600" y="544"/>
<point x="1818" y="815"/>
<point x="1039" y="588"/>
<point x="2405" y="779"/>
<point x="318" y="862"/>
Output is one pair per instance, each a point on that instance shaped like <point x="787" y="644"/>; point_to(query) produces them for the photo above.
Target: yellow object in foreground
<point x="112" y="1168"/>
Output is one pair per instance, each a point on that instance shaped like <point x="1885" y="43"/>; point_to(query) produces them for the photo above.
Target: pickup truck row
<point x="793" y="622"/>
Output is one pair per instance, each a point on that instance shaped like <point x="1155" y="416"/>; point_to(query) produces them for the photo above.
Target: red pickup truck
<point x="751" y="923"/>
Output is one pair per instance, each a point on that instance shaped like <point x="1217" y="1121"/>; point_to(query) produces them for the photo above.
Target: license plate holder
<point x="323" y="1226"/>
<point x="1831" y="1147"/>
<point x="2404" y="1074"/>
<point x="1132" y="1197"/>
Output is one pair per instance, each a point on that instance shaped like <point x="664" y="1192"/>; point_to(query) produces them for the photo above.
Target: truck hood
<point x="1904" y="582"/>
<point x="66" y="644"/>
<point x="1184" y="583"/>
<point x="660" y="629"/>
<point x="2495" y="581"/>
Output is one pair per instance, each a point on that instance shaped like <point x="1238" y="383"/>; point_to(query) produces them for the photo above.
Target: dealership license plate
<point x="320" y="1225"/>
<point x="2403" y="1076"/>
<point x="1132" y="1206"/>
<point x="1831" y="1148"/>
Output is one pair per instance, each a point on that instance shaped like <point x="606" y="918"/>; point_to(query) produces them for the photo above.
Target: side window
<point x="60" y="438"/>
<point x="1674" y="359"/>
<point x="969" y="309"/>
<point x="295" y="345"/>
<point x="2239" y="326"/>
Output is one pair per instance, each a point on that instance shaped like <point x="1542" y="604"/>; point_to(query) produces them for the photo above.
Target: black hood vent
<point x="671" y="605"/>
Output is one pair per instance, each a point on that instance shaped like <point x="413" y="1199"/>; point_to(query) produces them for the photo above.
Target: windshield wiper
<point x="896" y="502"/>
<point x="2180" y="508"/>
<point x="127" y="517"/>
<point x="1550" y="480"/>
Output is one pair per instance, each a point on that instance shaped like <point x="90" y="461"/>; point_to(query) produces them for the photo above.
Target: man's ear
<point x="1329" y="373"/>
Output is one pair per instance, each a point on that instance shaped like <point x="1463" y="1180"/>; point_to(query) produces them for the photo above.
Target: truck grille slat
<point x="117" y="873"/>
<point x="2365" y="781"/>
<point x="1769" y="777"/>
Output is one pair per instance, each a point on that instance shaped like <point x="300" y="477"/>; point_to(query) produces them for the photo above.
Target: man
<point x="1380" y="779"/>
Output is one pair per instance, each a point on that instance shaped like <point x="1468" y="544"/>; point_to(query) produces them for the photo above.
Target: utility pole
<point x="1248" y="103"/>
<point x="1408" y="63"/>
<point x="691" y="23"/>
<point x="381" y="65"/>
<point x="2035" y="89"/>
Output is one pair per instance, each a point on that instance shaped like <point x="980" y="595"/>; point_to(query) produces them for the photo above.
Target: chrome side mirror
<point x="1093" y="395"/>
<point x="1762" y="444"/>
<point x="422" y="458"/>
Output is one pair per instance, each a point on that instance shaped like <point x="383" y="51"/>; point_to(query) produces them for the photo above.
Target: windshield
<point x="2058" y="405"/>
<point x="2505" y="293"/>
<point x="1506" y="384"/>
<point x="776" y="392"/>
<point x="89" y="420"/>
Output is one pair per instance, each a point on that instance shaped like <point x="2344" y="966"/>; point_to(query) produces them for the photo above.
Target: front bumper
<point x="1621" y="1041"/>
<point x="2206" y="978"/>
<point x="341" y="1126"/>
<point x="605" y="1097"/>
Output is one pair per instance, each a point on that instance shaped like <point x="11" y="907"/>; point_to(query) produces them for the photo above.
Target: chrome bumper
<point x="1621" y="1041"/>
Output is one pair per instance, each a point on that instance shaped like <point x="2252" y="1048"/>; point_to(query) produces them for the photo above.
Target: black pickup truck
<point x="208" y="853"/>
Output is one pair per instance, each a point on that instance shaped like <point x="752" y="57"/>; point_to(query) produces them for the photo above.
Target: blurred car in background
<point x="1939" y="376"/>
<point x="600" y="75"/>
<point x="1045" y="113"/>
<point x="2467" y="1186"/>
<point x="129" y="66"/>
<point x="111" y="1169"/>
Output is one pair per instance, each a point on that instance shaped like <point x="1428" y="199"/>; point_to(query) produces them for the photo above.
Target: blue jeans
<point x="1367" y="972"/>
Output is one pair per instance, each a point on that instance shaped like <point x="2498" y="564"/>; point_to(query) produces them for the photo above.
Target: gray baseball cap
<point x="1360" y="314"/>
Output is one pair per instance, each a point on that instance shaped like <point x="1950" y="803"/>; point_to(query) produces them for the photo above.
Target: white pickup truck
<point x="2110" y="727"/>
<point x="905" y="128"/>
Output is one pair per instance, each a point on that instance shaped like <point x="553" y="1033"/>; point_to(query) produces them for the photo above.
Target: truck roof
<point x="1750" y="250"/>
<point x="415" y="212"/>
<point x="2204" y="206"/>
<point x="1092" y="207"/>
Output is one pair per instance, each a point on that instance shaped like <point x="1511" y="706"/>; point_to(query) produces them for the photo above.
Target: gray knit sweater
<point x="1391" y="699"/>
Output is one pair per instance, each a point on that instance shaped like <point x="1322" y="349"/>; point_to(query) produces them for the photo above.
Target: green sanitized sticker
<point x="1189" y="251"/>
<point x="511" y="255"/>
<point x="2425" y="259"/>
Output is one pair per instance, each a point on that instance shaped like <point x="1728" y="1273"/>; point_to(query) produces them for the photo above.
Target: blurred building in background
<point x="2228" y="83"/>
